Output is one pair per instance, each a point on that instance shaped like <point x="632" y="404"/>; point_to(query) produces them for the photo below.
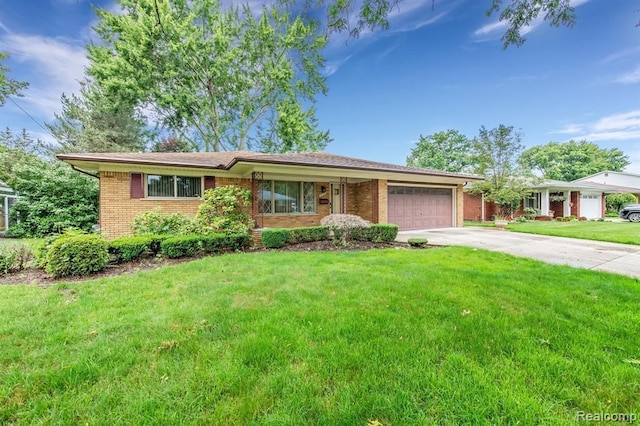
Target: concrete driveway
<point x="600" y="256"/>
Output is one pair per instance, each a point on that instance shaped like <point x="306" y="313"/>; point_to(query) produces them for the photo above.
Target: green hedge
<point x="126" y="249"/>
<point x="77" y="255"/>
<point x="190" y="245"/>
<point x="377" y="233"/>
<point x="216" y="243"/>
<point x="182" y="246"/>
<point x="280" y="237"/>
<point x="307" y="234"/>
<point x="275" y="237"/>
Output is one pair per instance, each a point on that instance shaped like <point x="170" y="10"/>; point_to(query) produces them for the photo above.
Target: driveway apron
<point x="600" y="256"/>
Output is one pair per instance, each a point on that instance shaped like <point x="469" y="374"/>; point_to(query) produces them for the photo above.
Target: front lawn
<point x="615" y="232"/>
<point x="446" y="336"/>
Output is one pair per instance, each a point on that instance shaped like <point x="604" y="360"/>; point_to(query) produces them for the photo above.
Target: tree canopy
<point x="90" y="122"/>
<point x="219" y="79"/>
<point x="572" y="160"/>
<point x="354" y="17"/>
<point x="496" y="153"/>
<point x="449" y="151"/>
<point x="8" y="86"/>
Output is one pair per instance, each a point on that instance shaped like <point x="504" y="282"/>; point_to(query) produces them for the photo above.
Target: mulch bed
<point x="33" y="276"/>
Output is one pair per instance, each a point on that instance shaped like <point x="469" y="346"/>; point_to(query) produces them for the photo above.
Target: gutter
<point x="85" y="172"/>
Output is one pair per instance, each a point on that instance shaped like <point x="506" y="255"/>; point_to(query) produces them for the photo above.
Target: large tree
<point x="449" y="151"/>
<point x="354" y="17"/>
<point x="572" y="160"/>
<point x="8" y="86"/>
<point x="90" y="122"/>
<point x="496" y="154"/>
<point x="221" y="79"/>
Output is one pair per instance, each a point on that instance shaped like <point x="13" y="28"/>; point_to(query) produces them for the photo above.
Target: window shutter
<point x="209" y="182"/>
<point x="137" y="185"/>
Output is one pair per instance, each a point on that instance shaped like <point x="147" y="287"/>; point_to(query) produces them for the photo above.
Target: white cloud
<point x="571" y="129"/>
<point x="51" y="65"/>
<point x="631" y="77"/>
<point x="620" y="55"/>
<point x="616" y="127"/>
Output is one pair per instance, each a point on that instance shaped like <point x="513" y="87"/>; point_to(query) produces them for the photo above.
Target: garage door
<point x="591" y="205"/>
<point x="420" y="208"/>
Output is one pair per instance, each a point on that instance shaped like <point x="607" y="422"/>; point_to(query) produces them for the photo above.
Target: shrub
<point x="225" y="209"/>
<point x="530" y="213"/>
<point x="417" y="242"/>
<point x="52" y="197"/>
<point x="520" y="219"/>
<point x="343" y="225"/>
<point x="611" y="214"/>
<point x="126" y="249"/>
<point x="182" y="246"/>
<point x="275" y="237"/>
<point x="215" y="243"/>
<point x="14" y="258"/>
<point x="156" y="223"/>
<point x="377" y="233"/>
<point x="615" y="202"/>
<point x="77" y="255"/>
<point x="307" y="234"/>
<point x="43" y="248"/>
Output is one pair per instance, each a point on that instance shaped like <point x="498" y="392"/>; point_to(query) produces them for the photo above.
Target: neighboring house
<point x="627" y="180"/>
<point x="553" y="198"/>
<point x="7" y="198"/>
<point x="288" y="190"/>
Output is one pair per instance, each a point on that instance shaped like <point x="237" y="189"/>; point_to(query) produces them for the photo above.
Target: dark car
<point x="631" y="212"/>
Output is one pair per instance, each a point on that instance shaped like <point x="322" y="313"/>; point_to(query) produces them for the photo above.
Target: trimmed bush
<point x="181" y="246"/>
<point x="216" y="243"/>
<point x="307" y="234"/>
<point x="417" y="242"/>
<point x="43" y="248"/>
<point x="77" y="255"/>
<point x="126" y="249"/>
<point x="377" y="233"/>
<point x="275" y="237"/>
<point x="343" y="225"/>
<point x="7" y="260"/>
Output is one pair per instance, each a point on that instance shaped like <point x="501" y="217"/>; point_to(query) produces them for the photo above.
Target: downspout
<point x="482" y="207"/>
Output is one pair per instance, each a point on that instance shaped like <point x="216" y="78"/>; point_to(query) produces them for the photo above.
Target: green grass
<point x="29" y="242"/>
<point x="480" y="224"/>
<point x="445" y="336"/>
<point x="615" y="232"/>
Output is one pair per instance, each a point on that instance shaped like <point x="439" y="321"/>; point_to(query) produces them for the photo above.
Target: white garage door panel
<point x="591" y="205"/>
<point x="420" y="208"/>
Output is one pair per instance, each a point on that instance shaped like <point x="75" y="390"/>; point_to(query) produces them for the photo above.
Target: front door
<point x="335" y="198"/>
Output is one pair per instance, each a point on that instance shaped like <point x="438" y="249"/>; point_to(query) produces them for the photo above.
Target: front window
<point x="286" y="197"/>
<point x="174" y="186"/>
<point x="533" y="201"/>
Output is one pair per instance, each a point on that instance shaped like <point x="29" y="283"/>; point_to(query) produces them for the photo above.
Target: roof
<point x="227" y="160"/>
<point x="575" y="185"/>
<point x="5" y="188"/>
<point x="586" y="178"/>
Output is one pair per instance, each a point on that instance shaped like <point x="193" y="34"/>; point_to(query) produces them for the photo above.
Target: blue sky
<point x="435" y="69"/>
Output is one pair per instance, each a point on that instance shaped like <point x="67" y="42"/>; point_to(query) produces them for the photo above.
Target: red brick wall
<point x="472" y="207"/>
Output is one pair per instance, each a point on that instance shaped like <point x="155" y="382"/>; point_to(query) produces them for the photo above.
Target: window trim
<point x="301" y="195"/>
<point x="175" y="188"/>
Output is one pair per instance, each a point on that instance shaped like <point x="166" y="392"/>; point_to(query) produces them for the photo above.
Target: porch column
<point x="544" y="208"/>
<point x="566" y="204"/>
<point x="343" y="195"/>
<point x="6" y="213"/>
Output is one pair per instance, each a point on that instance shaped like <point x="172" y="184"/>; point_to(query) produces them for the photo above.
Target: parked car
<point x="631" y="212"/>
